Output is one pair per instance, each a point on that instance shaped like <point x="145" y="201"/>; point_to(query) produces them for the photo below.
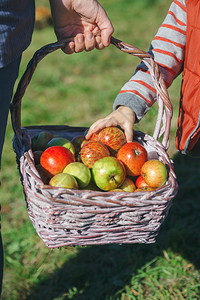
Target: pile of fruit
<point x="106" y="162"/>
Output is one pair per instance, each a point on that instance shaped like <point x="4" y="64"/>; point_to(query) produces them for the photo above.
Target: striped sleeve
<point x="168" y="49"/>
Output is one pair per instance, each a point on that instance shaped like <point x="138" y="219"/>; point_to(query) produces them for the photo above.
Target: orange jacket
<point x="188" y="131"/>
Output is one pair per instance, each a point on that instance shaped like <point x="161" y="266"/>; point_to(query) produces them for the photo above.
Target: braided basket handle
<point x="165" y="111"/>
<point x="165" y="107"/>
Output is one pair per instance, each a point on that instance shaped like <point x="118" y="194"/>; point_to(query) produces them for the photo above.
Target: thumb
<point x="106" y="35"/>
<point x="129" y="135"/>
<point x="106" y="27"/>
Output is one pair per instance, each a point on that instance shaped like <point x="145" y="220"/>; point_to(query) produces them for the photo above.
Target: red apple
<point x="61" y="141"/>
<point x="140" y="183"/>
<point x="54" y="159"/>
<point x="93" y="151"/>
<point x="113" y="137"/>
<point x="154" y="173"/>
<point x="64" y="180"/>
<point x="133" y="155"/>
<point x="108" y="173"/>
<point x="40" y="141"/>
<point x="94" y="137"/>
<point x="128" y="185"/>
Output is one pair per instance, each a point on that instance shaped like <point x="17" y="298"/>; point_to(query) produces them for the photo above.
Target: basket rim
<point x="85" y="195"/>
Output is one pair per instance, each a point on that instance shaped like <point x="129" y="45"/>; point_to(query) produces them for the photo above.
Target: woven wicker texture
<point x="64" y="217"/>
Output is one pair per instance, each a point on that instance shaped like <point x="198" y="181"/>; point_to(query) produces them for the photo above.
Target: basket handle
<point x="165" y="111"/>
<point x="165" y="108"/>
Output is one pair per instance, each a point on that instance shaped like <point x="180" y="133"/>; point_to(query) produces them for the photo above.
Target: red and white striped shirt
<point x="168" y="50"/>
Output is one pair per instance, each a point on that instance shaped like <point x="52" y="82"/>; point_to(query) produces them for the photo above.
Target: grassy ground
<point x="77" y="90"/>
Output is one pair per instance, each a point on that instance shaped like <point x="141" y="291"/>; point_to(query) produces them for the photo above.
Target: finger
<point x="70" y="48"/>
<point x="98" y="125"/>
<point x="106" y="35"/>
<point x="79" y="43"/>
<point x="129" y="115"/>
<point x="89" y="41"/>
<point x="128" y="130"/>
<point x="90" y="132"/>
<point x="105" y="26"/>
<point x="99" y="45"/>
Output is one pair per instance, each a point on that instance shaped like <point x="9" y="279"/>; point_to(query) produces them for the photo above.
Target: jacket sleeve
<point x="167" y="48"/>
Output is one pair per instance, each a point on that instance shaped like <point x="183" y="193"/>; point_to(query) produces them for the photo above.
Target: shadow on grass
<point x="101" y="272"/>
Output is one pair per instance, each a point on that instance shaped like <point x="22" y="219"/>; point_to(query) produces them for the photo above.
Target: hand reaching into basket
<point x="122" y="116"/>
<point x="83" y="20"/>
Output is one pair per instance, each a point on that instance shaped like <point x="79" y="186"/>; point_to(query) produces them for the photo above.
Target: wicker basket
<point x="64" y="217"/>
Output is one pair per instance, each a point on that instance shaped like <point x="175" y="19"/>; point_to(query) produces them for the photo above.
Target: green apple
<point x="108" y="173"/>
<point x="92" y="187"/>
<point x="81" y="173"/>
<point x="117" y="190"/>
<point x="64" y="180"/>
<point x="128" y="185"/>
<point x="40" y="141"/>
<point x="60" y="141"/>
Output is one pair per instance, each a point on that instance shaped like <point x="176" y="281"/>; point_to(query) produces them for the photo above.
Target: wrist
<point x="125" y="109"/>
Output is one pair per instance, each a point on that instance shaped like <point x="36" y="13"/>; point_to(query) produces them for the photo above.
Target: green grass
<point x="77" y="90"/>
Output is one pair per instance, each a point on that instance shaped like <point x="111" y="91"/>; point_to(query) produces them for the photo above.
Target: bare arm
<point x="122" y="116"/>
<point x="139" y="93"/>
